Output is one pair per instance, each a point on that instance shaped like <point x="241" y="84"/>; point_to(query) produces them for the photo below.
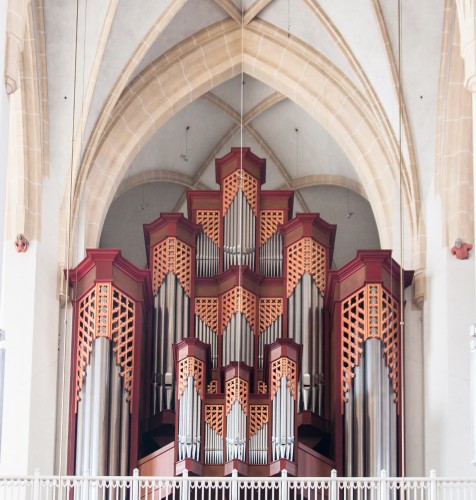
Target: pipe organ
<point x="238" y="347"/>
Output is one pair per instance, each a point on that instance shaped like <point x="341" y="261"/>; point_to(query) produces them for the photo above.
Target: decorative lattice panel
<point x="191" y="367"/>
<point x="371" y="312"/>
<point x="247" y="183"/>
<point x="258" y="418"/>
<point x="103" y="311"/>
<point x="269" y="221"/>
<point x="240" y="300"/>
<point x="390" y="335"/>
<point x="236" y="389"/>
<point x="262" y="387"/>
<point x="353" y="326"/>
<point x="86" y="335"/>
<point x="172" y="255"/>
<point x="210" y="221"/>
<point x="214" y="418"/>
<point x="306" y="255"/>
<point x="283" y="367"/>
<point x="212" y="387"/>
<point x="206" y="308"/>
<point x="269" y="310"/>
<point x="123" y="325"/>
<point x="106" y="312"/>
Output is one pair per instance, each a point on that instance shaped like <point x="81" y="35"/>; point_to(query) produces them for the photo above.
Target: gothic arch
<point x="289" y="66"/>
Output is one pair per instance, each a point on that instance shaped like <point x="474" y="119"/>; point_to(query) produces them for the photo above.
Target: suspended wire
<point x="402" y="323"/>
<point x="69" y="221"/>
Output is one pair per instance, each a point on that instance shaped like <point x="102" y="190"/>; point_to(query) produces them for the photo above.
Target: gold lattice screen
<point x="306" y="255"/>
<point x="106" y="312"/>
<point x="371" y="312"/>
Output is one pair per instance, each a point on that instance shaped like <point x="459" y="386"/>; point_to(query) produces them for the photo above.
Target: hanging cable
<point x="69" y="225"/>
<point x="402" y="303"/>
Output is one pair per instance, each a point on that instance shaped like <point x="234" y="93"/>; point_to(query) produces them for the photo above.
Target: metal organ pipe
<point x="207" y="256"/>
<point x="238" y="340"/>
<point x="304" y="327"/>
<point x="370" y="416"/>
<point x="102" y="437"/>
<point x="235" y="433"/>
<point x="282" y="438"/>
<point x="239" y="233"/>
<point x="271" y="256"/>
<point x="171" y="326"/>
<point x="189" y="422"/>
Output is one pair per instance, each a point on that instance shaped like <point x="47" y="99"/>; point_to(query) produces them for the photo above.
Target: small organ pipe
<point x="373" y="407"/>
<point x="359" y="422"/>
<point x="99" y="406"/>
<point x="125" y="417"/>
<point x="115" y="420"/>
<point x="349" y="432"/>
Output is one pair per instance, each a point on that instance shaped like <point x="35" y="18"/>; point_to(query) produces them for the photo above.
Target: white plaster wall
<point x="448" y="314"/>
<point x="4" y="113"/>
<point x="30" y="318"/>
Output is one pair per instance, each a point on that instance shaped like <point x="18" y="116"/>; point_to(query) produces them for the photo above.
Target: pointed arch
<point x="289" y="66"/>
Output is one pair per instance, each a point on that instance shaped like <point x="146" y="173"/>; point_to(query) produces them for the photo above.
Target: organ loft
<point x="237" y="347"/>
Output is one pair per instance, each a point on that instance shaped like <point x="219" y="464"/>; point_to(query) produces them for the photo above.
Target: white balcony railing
<point x="39" y="487"/>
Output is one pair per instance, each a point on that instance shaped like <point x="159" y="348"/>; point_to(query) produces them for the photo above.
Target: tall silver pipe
<point x="80" y="430"/>
<point x="125" y="420"/>
<point x="162" y="355"/>
<point x="155" y="355"/>
<point x="307" y="340"/>
<point x="373" y="406"/>
<point x="349" y="433"/>
<point x="115" y="420"/>
<point x="358" y="403"/>
<point x="385" y="414"/>
<point x="87" y="414"/>
<point x="100" y="407"/>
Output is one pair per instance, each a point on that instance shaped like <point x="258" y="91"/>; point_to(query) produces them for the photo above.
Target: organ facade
<point x="238" y="347"/>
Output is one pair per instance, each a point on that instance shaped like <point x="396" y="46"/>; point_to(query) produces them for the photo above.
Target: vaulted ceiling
<point x="360" y="42"/>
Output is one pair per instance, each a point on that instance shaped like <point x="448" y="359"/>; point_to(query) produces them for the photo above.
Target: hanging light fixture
<point x="184" y="156"/>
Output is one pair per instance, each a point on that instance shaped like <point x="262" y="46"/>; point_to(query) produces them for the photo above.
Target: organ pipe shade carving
<point x="214" y="418"/>
<point x="258" y="418"/>
<point x="236" y="390"/>
<point x="191" y="367"/>
<point x="244" y="181"/>
<point x="283" y="367"/>
<point x="371" y="312"/>
<point x="239" y="300"/>
<point x="306" y="255"/>
<point x="269" y="311"/>
<point x="210" y="221"/>
<point x="207" y="310"/>
<point x="262" y="387"/>
<point x="212" y="387"/>
<point x="106" y="312"/>
<point x="269" y="221"/>
<point x="172" y="255"/>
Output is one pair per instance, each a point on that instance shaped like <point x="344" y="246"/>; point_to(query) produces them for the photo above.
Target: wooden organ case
<point x="241" y="357"/>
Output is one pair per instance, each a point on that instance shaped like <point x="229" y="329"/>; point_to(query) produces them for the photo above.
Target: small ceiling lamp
<point x="184" y="156"/>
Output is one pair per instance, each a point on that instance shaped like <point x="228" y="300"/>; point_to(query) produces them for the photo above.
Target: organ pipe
<point x="239" y="233"/>
<point x="189" y="439"/>
<point x="102" y="436"/>
<point x="304" y="327"/>
<point x="171" y="324"/>
<point x="370" y="417"/>
<point x="271" y="256"/>
<point x="238" y="340"/>
<point x="282" y="438"/>
<point x="236" y="433"/>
